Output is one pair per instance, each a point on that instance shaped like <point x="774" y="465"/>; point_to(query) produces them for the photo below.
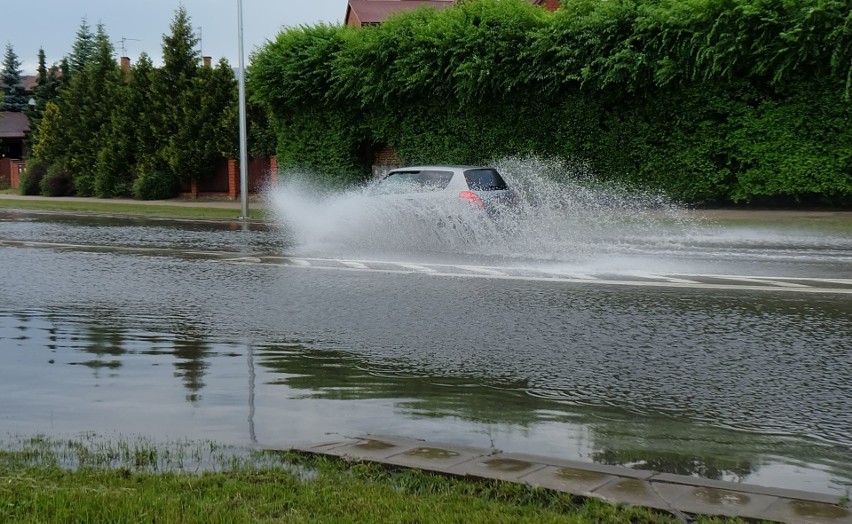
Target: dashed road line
<point x="516" y="273"/>
<point x="354" y="264"/>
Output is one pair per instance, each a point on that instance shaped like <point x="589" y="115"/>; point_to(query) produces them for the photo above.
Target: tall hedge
<point x="713" y="101"/>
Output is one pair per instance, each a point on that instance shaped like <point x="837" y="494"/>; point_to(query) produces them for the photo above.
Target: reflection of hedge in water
<point x="675" y="463"/>
<point x="738" y="101"/>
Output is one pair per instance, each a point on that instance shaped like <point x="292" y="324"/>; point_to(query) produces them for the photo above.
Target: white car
<point x="463" y="188"/>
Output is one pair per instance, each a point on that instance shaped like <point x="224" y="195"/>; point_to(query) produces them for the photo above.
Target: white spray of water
<point x="566" y="217"/>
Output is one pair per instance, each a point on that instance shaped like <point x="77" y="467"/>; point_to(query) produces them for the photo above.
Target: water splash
<point x="566" y="215"/>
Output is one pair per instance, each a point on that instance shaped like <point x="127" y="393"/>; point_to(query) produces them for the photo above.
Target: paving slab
<point x="620" y="471"/>
<point x="807" y="512"/>
<point x="580" y="482"/>
<point x="498" y="467"/>
<point x="439" y="458"/>
<point x="747" y="488"/>
<point x="678" y="494"/>
<point x="639" y="493"/>
<point x="713" y="501"/>
<point x="376" y="448"/>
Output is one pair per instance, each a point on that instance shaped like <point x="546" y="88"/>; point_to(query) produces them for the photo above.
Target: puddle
<point x="580" y="474"/>
<point x="805" y="509"/>
<point x="374" y="445"/>
<point x="632" y="487"/>
<point x="721" y="497"/>
<point x="432" y="453"/>
<point x="506" y="465"/>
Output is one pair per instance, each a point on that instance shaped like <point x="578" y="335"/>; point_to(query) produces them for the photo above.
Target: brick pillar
<point x="233" y="179"/>
<point x="273" y="167"/>
<point x="193" y="189"/>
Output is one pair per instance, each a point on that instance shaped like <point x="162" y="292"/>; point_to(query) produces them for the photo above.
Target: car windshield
<point x="415" y="181"/>
<point x="484" y="180"/>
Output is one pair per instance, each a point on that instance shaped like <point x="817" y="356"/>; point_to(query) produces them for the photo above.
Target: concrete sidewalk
<point x="676" y="494"/>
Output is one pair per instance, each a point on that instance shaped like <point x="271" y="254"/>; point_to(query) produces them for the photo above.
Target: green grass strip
<point x="124" y="482"/>
<point x="121" y="208"/>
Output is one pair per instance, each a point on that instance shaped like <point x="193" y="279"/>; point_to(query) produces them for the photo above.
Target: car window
<point x="415" y="181"/>
<point x="484" y="180"/>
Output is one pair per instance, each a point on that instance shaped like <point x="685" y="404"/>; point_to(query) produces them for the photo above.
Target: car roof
<point x="437" y="166"/>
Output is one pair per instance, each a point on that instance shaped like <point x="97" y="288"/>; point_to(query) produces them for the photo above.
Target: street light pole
<point x="243" y="148"/>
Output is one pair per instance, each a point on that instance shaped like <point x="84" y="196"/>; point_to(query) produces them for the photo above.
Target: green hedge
<point x="713" y="101"/>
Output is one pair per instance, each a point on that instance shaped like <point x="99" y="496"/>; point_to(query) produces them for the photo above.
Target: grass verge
<point x="122" y="208"/>
<point x="94" y="480"/>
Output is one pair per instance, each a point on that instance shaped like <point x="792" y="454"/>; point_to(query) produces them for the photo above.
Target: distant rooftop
<point x="13" y="125"/>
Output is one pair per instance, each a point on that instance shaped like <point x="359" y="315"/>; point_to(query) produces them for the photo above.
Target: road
<point x="722" y="354"/>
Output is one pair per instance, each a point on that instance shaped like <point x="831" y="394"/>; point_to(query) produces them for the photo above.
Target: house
<point x="372" y="12"/>
<point x="14" y="128"/>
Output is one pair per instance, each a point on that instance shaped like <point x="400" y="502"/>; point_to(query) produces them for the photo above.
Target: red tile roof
<point x="377" y="11"/>
<point x="13" y="125"/>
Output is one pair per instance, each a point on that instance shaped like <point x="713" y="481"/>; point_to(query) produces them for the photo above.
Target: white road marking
<point x="761" y="280"/>
<point x="419" y="268"/>
<point x="680" y="281"/>
<point x="482" y="270"/>
<point x="666" y="278"/>
<point x="354" y="264"/>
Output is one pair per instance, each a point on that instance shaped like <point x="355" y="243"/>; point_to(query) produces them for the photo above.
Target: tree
<point x="87" y="104"/>
<point x="13" y="88"/>
<point x="205" y="134"/>
<point x="85" y="47"/>
<point x="131" y="135"/>
<point x="46" y="90"/>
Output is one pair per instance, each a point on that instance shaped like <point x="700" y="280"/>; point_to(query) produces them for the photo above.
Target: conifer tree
<point x="85" y="47"/>
<point x="87" y="104"/>
<point x="46" y="90"/>
<point x="131" y="136"/>
<point x="14" y="99"/>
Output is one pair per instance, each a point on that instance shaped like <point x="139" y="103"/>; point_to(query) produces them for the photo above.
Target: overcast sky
<point x="53" y="24"/>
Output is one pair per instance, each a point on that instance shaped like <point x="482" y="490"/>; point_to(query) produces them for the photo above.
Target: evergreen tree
<point x="179" y="96"/>
<point x="206" y="133"/>
<point x="85" y="47"/>
<point x="46" y="90"/>
<point x="87" y="104"/>
<point x="13" y="88"/>
<point x="50" y="147"/>
<point x="131" y="137"/>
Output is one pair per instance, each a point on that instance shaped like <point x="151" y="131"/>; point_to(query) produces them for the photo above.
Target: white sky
<point x="53" y="24"/>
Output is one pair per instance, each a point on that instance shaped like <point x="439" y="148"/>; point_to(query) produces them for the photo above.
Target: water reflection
<point x="112" y="343"/>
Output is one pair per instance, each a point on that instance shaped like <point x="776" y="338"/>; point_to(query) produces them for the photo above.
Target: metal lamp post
<point x="243" y="148"/>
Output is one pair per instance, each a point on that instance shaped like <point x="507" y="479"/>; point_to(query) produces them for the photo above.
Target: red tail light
<point x="472" y="197"/>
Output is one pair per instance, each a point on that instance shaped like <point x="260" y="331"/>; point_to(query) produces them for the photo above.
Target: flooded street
<point x="714" y="348"/>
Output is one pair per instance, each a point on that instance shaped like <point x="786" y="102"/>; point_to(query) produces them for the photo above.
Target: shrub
<point x="57" y="182"/>
<point x="154" y="182"/>
<point x="32" y="176"/>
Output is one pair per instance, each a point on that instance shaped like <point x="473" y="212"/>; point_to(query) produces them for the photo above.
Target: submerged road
<point x="722" y="354"/>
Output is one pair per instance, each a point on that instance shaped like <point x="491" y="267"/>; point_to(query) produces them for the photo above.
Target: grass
<point x="101" y="480"/>
<point x="123" y="208"/>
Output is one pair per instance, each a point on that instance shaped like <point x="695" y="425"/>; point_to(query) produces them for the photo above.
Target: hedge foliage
<point x="713" y="101"/>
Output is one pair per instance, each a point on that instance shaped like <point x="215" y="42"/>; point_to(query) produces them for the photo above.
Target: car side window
<point x="416" y="181"/>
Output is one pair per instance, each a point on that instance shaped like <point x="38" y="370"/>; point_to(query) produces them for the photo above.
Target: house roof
<point x="29" y="82"/>
<point x="13" y="125"/>
<point x="377" y="11"/>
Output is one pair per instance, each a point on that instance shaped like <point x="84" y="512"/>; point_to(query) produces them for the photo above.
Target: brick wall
<point x="225" y="181"/>
<point x="10" y="172"/>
